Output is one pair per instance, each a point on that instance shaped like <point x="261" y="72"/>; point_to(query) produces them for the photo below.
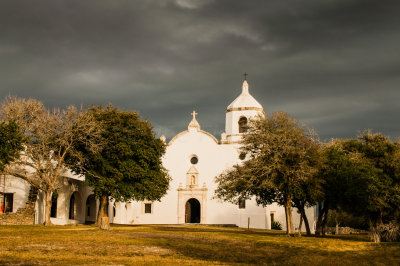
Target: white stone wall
<point x="18" y="187"/>
<point x="213" y="159"/>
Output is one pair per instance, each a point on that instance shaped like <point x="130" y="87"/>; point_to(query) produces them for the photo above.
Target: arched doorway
<point x="72" y="208"/>
<point x="192" y="211"/>
<point x="53" y="210"/>
<point x="75" y="205"/>
<point x="91" y="209"/>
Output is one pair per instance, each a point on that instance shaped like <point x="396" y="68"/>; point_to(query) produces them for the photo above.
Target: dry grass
<point x="66" y="245"/>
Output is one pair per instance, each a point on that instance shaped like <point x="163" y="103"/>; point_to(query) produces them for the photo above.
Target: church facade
<point x="193" y="159"/>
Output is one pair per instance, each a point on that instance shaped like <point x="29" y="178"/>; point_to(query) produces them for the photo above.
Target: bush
<point x="390" y="232"/>
<point x="276" y="225"/>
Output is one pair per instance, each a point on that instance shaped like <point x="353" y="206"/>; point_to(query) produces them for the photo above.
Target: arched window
<point x="53" y="210"/>
<point x="243" y="125"/>
<point x="193" y="180"/>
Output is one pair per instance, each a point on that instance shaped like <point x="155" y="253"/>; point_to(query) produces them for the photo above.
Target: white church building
<point x="193" y="158"/>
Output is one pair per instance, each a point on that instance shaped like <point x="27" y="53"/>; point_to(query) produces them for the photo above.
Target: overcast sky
<point x="332" y="64"/>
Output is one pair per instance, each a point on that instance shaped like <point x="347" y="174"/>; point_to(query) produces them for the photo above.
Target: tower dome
<point x="244" y="100"/>
<point x="238" y="113"/>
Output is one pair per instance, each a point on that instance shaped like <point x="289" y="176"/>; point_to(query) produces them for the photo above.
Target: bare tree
<point x="51" y="136"/>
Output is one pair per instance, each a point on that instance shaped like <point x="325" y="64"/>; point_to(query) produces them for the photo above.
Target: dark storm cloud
<point x="332" y="64"/>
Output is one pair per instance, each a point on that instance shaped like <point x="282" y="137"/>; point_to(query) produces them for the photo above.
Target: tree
<point x="362" y="177"/>
<point x="379" y="197"/>
<point x="284" y="157"/>
<point x="344" y="174"/>
<point x="11" y="143"/>
<point x="129" y="165"/>
<point x="50" y="137"/>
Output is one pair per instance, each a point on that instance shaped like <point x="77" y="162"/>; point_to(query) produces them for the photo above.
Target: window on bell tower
<point x="243" y="125"/>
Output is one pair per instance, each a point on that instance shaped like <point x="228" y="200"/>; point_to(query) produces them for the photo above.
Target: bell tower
<point x="238" y="114"/>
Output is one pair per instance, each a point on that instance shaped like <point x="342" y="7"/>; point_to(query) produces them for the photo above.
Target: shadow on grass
<point x="251" y="252"/>
<point x="271" y="247"/>
<point x="258" y="232"/>
<point x="358" y="238"/>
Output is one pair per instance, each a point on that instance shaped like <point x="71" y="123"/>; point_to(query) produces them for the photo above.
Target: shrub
<point x="276" y="225"/>
<point x="390" y="232"/>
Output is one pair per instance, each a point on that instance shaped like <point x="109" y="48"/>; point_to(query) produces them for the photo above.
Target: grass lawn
<point x="124" y="245"/>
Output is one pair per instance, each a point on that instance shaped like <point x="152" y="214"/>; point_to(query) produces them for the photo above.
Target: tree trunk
<point x="322" y="219"/>
<point x="375" y="220"/>
<point x="337" y="224"/>
<point x="300" y="224"/>
<point x="300" y="207"/>
<point x="307" y="224"/>
<point x="47" y="210"/>
<point x="289" y="217"/>
<point x="104" y="223"/>
<point x="103" y="212"/>
<point x="374" y="234"/>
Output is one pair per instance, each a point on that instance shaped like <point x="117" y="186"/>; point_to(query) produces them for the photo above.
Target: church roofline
<point x="187" y="131"/>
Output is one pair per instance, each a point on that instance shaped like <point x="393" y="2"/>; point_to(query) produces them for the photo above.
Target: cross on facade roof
<point x="245" y="75"/>
<point x="194" y="114"/>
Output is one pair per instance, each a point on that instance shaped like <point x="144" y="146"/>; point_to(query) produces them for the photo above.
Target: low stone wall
<point x="344" y="231"/>
<point x="23" y="216"/>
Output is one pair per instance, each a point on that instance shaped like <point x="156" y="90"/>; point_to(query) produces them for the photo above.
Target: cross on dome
<point x="194" y="114"/>
<point x="194" y="124"/>
<point x="245" y="75"/>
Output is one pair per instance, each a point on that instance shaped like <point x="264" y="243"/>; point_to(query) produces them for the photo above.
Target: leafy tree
<point x="129" y="165"/>
<point x="50" y="137"/>
<point x="344" y="174"/>
<point x="378" y="198"/>
<point x="362" y="177"/>
<point x="11" y="143"/>
<point x="284" y="158"/>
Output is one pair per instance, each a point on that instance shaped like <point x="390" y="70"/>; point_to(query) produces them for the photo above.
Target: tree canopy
<point x="50" y="136"/>
<point x="345" y="174"/>
<point x="284" y="158"/>
<point x="362" y="177"/>
<point x="129" y="165"/>
<point x="11" y="143"/>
